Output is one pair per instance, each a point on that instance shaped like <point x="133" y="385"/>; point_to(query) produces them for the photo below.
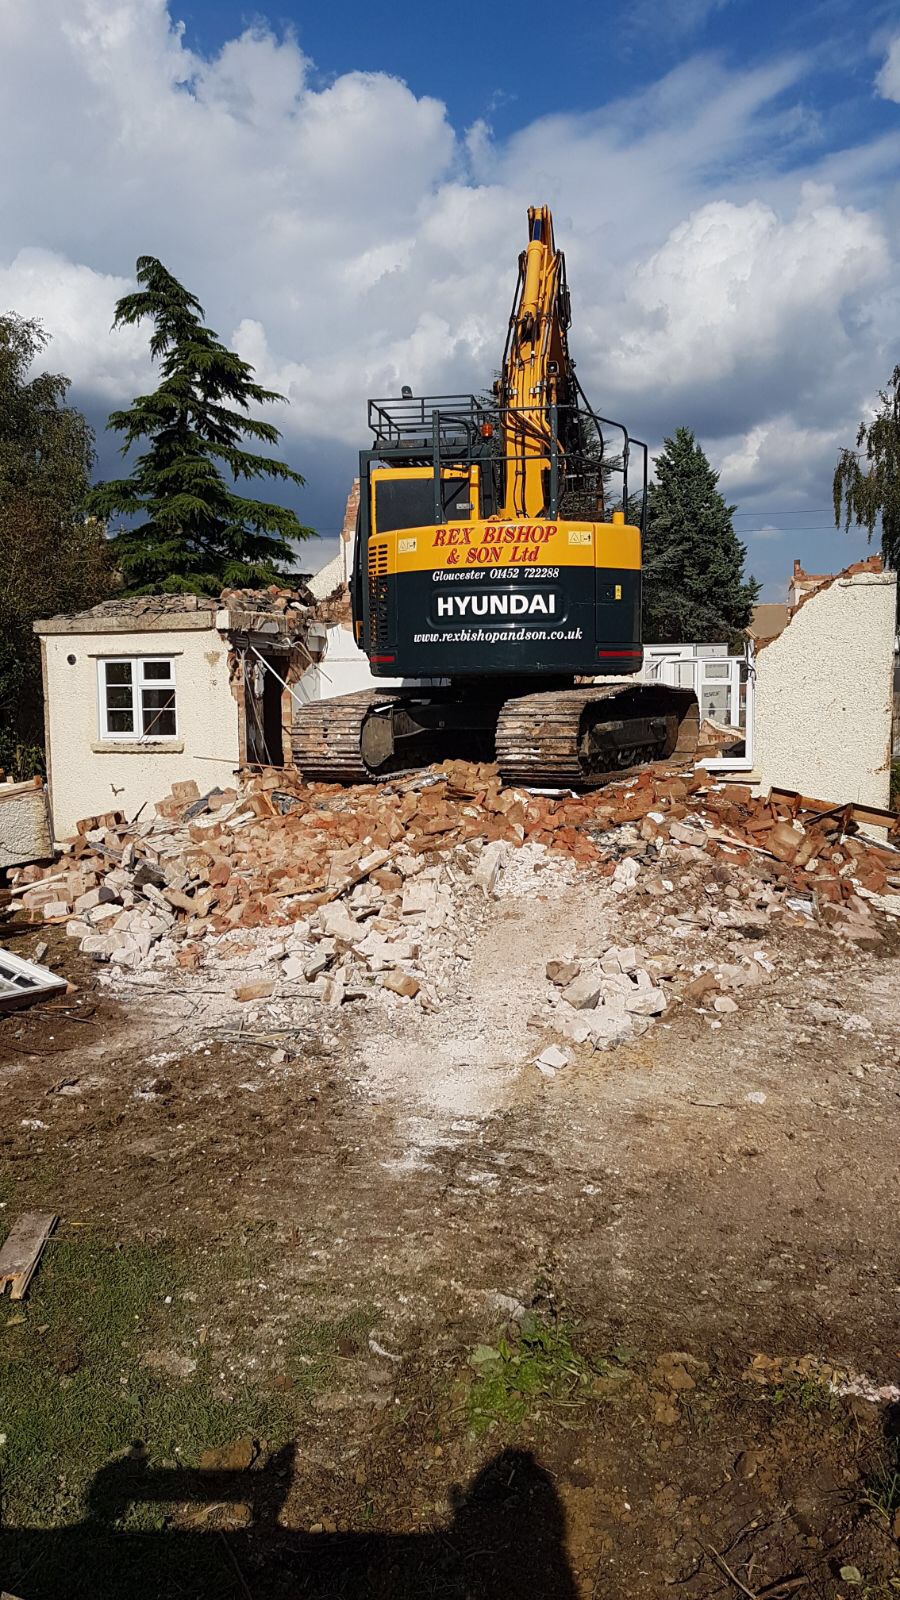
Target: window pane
<point x="714" y="703"/>
<point x="156" y="669"/>
<point x="118" y="671"/>
<point x="158" y="707"/>
<point x="118" y="699"/>
<point x="120" y="721"/>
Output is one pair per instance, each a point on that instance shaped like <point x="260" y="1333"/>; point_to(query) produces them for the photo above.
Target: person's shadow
<point x="505" y="1541"/>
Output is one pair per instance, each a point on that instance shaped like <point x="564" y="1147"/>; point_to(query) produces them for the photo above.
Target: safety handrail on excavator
<point x="406" y="432"/>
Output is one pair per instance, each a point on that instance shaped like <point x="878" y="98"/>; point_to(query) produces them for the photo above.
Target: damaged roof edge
<point x="147" y="622"/>
<point x="270" y="610"/>
<point x="871" y="568"/>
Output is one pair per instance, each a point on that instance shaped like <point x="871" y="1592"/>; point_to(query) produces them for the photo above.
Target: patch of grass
<point x="881" y="1589"/>
<point x="318" y="1344"/>
<point x="75" y="1390"/>
<point x="809" y="1394"/>
<point x="882" y="1491"/>
<point x="541" y="1367"/>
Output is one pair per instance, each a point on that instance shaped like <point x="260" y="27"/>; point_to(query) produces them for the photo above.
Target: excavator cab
<point x="477" y="557"/>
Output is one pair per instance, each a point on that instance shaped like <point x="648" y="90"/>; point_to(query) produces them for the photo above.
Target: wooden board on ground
<point x="22" y="1250"/>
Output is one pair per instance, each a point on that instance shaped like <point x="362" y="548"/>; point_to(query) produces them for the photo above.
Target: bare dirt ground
<point x="406" y="1185"/>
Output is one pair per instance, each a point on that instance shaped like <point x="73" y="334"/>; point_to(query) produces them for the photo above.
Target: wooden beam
<point x="873" y="815"/>
<point x="22" y="1251"/>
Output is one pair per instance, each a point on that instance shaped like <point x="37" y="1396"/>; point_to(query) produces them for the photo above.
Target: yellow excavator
<point x="497" y="576"/>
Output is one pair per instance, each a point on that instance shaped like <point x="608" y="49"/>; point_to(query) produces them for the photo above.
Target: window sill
<point x="138" y="747"/>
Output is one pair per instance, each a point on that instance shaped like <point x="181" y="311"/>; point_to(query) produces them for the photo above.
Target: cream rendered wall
<point x="325" y="581"/>
<point x="822" y="720"/>
<point x="344" y="669"/>
<point x="24" y="824"/>
<point x="89" y="775"/>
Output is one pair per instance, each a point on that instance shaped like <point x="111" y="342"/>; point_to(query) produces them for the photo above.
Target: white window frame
<point x="138" y="682"/>
<point x="699" y="658"/>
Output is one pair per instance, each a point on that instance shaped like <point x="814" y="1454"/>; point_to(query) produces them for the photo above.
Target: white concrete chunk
<point x="418" y="897"/>
<point x="585" y="990"/>
<point x="93" y="897"/>
<point x="552" y="1057"/>
<point x="338" y="923"/>
<point x="490" y="863"/>
<point x="646" y="1003"/>
<point x="330" y="989"/>
<point x="101" y="916"/>
<point x="625" y="875"/>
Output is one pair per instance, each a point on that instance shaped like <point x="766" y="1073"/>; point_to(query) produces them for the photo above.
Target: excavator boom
<point x="537" y="371"/>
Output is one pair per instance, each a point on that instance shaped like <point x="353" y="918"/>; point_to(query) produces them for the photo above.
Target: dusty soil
<point x="722" y="1187"/>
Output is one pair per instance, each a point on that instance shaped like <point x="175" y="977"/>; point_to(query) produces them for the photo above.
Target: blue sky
<point x="507" y="64"/>
<point x="345" y="189"/>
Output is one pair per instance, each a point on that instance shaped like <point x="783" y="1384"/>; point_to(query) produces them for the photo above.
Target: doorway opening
<point x="263" y="713"/>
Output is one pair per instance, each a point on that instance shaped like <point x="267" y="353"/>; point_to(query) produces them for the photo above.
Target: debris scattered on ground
<point x="278" y="890"/>
<point x="22" y="1251"/>
<point x="551" y="1061"/>
<point x="776" y="1371"/>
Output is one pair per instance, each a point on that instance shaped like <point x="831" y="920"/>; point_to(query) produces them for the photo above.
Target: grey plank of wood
<point x="22" y="1251"/>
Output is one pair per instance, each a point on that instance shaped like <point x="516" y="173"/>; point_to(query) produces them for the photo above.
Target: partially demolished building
<point x="144" y="691"/>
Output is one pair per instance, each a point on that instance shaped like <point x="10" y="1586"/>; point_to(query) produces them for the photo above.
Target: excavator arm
<point x="538" y="375"/>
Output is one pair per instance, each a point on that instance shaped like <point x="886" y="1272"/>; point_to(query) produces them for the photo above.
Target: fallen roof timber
<point x="873" y="816"/>
<point x="22" y="1251"/>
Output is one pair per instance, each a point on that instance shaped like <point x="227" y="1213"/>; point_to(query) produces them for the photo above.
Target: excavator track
<point x="569" y="738"/>
<point x="580" y="738"/>
<point x="326" y="737"/>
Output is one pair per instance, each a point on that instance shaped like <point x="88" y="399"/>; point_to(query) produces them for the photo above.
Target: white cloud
<point x="738" y="298"/>
<point x="77" y="305"/>
<point x="670" y="17"/>
<point x="781" y="453"/>
<point x="888" y="80"/>
<point x="348" y="239"/>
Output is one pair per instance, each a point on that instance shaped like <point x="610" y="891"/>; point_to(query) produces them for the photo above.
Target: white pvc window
<point x="137" y="697"/>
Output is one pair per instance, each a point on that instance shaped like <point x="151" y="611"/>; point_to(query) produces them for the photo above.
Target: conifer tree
<point x="694" y="584"/>
<point x="188" y="528"/>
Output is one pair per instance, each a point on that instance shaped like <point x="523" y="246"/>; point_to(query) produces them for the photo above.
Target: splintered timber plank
<point x="22" y="1250"/>
<point x="874" y="815"/>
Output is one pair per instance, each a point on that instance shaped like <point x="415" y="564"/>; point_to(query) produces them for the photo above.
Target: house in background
<point x="803" y="583"/>
<point x="144" y="691"/>
<point x="769" y="619"/>
<point x="810" y="697"/>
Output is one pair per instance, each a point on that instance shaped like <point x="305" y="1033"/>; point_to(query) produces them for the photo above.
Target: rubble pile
<point x="266" y="856"/>
<point x="342" y="891"/>
<point x="604" y="1001"/>
<point x="273" y="599"/>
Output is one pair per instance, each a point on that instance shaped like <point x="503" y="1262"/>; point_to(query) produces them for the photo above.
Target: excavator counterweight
<point x="497" y="575"/>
